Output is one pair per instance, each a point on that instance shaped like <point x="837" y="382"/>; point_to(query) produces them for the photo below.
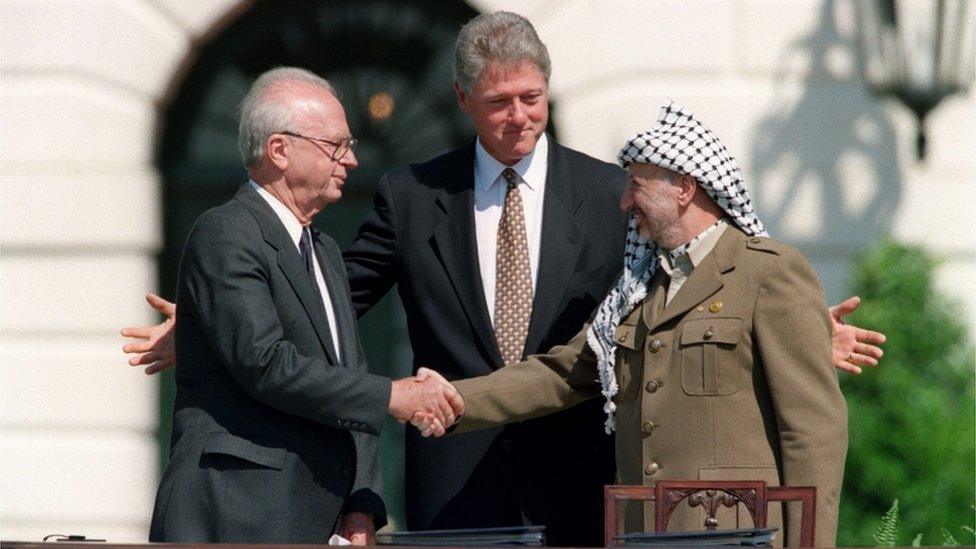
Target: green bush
<point x="912" y="421"/>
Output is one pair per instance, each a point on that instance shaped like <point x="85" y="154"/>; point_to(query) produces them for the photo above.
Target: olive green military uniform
<point x="732" y="380"/>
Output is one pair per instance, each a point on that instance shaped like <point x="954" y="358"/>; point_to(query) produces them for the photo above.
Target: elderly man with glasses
<point x="275" y="421"/>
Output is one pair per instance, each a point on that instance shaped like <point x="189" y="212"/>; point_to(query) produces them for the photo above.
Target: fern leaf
<point x="887" y="533"/>
<point x="947" y="538"/>
<point x="917" y="542"/>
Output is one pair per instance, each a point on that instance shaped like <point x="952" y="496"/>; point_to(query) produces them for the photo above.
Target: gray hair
<point x="264" y="113"/>
<point x="503" y="37"/>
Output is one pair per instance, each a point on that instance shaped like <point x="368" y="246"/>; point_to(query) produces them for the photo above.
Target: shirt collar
<point x="696" y="249"/>
<point x="288" y="219"/>
<point x="531" y="168"/>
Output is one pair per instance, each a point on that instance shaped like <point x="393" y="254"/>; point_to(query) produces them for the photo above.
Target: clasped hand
<point x="427" y="401"/>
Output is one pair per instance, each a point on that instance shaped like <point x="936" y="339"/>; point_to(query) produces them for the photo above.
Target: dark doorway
<point x="390" y="61"/>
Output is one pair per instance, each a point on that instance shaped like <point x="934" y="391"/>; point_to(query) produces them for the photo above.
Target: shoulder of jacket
<point x="229" y="214"/>
<point x="766" y="245"/>
<point x="577" y="159"/>
<point x="428" y="176"/>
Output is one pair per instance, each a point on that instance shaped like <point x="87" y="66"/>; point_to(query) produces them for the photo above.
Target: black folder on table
<point x="514" y="535"/>
<point x="755" y="537"/>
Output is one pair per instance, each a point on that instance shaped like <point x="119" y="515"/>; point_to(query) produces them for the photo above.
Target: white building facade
<point x="831" y="167"/>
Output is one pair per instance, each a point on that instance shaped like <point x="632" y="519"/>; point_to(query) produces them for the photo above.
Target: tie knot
<point x="510" y="177"/>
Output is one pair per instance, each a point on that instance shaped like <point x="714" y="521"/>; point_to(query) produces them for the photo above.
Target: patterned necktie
<point x="513" y="276"/>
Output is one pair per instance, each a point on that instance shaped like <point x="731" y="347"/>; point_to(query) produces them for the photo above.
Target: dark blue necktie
<point x="305" y="247"/>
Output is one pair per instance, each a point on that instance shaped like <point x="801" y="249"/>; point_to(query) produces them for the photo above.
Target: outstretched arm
<point x="853" y="347"/>
<point x="155" y="348"/>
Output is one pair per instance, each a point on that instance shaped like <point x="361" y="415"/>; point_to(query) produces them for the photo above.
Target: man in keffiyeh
<point x="713" y="349"/>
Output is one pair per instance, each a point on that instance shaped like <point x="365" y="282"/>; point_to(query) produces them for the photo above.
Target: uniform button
<point x="708" y="334"/>
<point x="652" y="385"/>
<point x="651" y="468"/>
<point x="648" y="427"/>
<point x="754" y="240"/>
<point x="507" y="444"/>
<point x="655" y="345"/>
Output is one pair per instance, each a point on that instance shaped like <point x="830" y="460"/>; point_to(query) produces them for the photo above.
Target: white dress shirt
<point x="294" y="228"/>
<point x="489" y="200"/>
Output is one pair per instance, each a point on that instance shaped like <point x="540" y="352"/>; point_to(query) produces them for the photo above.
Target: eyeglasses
<point x="342" y="146"/>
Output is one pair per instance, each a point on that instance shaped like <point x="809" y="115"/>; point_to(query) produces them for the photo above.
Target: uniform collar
<point x="696" y="249"/>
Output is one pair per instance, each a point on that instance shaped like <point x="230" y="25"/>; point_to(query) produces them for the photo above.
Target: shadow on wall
<point x="825" y="163"/>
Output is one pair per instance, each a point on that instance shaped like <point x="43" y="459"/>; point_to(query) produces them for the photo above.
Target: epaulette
<point x="764" y="244"/>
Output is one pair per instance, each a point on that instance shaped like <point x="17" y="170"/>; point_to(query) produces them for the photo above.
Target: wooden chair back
<point x="711" y="495"/>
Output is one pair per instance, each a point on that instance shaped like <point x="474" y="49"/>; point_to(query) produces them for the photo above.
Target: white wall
<point x="831" y="168"/>
<point x="80" y="227"/>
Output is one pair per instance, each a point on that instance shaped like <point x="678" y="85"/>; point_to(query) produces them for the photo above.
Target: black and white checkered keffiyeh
<point x="684" y="145"/>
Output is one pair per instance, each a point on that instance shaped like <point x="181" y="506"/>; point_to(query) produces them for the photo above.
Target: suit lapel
<point x="705" y="280"/>
<point x="457" y="248"/>
<point x="290" y="263"/>
<point x="560" y="242"/>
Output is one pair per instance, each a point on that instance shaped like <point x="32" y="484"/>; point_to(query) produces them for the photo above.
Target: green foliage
<point x="947" y="538"/>
<point x="887" y="533"/>
<point x="912" y="421"/>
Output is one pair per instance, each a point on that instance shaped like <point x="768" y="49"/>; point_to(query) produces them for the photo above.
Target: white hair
<point x="262" y="113"/>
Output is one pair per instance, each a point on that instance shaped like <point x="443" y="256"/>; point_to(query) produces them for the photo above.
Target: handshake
<point x="427" y="401"/>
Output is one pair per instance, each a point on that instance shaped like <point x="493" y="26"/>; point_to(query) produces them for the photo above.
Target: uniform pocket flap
<point x="711" y="330"/>
<point x="259" y="454"/>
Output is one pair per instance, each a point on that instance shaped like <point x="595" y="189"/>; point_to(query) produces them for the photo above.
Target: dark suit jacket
<point x="420" y="235"/>
<point x="273" y="435"/>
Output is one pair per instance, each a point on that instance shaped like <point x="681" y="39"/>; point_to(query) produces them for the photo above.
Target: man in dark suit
<point x="433" y="233"/>
<point x="275" y="421"/>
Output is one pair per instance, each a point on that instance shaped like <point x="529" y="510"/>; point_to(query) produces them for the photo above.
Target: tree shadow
<point x="815" y="151"/>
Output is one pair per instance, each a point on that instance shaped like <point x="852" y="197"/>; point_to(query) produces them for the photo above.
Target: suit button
<point x="507" y="444"/>
<point x="655" y="345"/>
<point x="346" y="472"/>
<point x="653" y="385"/>
<point x="648" y="427"/>
<point x="651" y="468"/>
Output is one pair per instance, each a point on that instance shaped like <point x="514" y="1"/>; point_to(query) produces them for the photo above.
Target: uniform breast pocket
<point x="708" y="355"/>
<point x="629" y="362"/>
